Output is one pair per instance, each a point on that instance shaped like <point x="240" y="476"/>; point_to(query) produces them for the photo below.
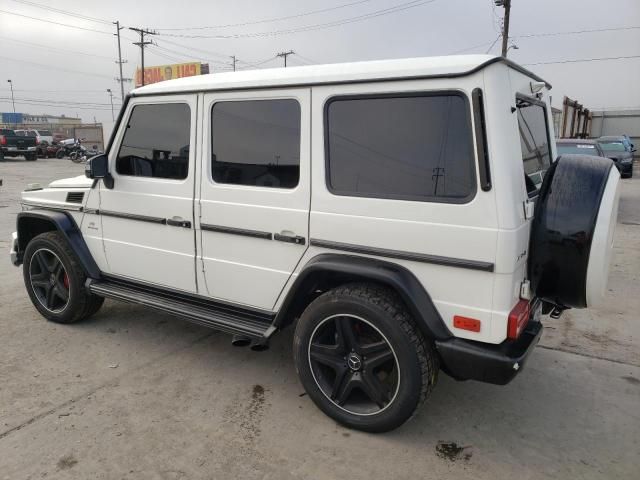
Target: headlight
<point x="626" y="160"/>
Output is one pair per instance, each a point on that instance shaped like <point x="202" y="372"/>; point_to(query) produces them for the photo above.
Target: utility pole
<point x="12" y="99"/>
<point x="120" y="61"/>
<point x="233" y="57"/>
<point x="505" y="25"/>
<point x="113" y="117"/>
<point x="142" y="44"/>
<point x="285" y="55"/>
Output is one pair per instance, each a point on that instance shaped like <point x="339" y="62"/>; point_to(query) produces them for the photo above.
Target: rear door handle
<point x="289" y="238"/>
<point x="178" y="222"/>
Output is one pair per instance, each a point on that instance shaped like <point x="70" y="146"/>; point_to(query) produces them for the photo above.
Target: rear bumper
<point x="14" y="152"/>
<point x="497" y="364"/>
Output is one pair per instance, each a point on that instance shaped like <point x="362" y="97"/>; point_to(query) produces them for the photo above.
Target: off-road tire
<point x="81" y="303"/>
<point x="416" y="356"/>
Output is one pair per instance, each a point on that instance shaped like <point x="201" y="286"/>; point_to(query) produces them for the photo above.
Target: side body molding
<point x="34" y="222"/>
<point x="335" y="269"/>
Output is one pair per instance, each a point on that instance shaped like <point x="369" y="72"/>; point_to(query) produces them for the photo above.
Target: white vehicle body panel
<point x="243" y="269"/>
<point x="144" y="250"/>
<point x="491" y="228"/>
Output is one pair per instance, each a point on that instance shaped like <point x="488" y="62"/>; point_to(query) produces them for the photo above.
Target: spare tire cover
<point x="572" y="231"/>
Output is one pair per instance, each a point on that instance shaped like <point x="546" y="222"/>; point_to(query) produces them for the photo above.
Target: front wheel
<point x="55" y="280"/>
<point x="361" y="359"/>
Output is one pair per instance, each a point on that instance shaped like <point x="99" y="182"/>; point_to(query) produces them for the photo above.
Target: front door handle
<point x="289" y="238"/>
<point x="178" y="222"/>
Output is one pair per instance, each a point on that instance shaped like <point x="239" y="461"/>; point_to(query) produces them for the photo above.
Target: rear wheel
<point x="55" y="280"/>
<point x="60" y="154"/>
<point x="31" y="157"/>
<point x="361" y="359"/>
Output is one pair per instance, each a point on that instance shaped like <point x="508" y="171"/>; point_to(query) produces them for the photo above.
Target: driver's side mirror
<point x="98" y="168"/>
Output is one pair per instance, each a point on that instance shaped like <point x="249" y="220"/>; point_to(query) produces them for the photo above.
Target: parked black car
<point x="620" y="150"/>
<point x="12" y="145"/>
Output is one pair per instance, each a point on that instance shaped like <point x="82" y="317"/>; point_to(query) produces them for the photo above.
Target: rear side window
<point x="156" y="143"/>
<point x="256" y="143"/>
<point x="534" y="141"/>
<point x="409" y="147"/>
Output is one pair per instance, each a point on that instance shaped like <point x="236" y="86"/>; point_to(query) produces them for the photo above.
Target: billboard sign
<point x="10" y="117"/>
<point x="160" y="73"/>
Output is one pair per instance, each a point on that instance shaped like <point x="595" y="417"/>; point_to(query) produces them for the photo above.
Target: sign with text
<point x="159" y="73"/>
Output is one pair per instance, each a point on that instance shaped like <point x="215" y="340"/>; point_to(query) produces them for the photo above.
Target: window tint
<point x="256" y="142"/>
<point x="613" y="146"/>
<point x="416" y="147"/>
<point x="577" y="149"/>
<point x="156" y="143"/>
<point x="534" y="142"/>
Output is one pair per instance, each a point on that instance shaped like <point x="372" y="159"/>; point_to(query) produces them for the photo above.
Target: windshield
<point x="577" y="149"/>
<point x="534" y="141"/>
<point x="612" y="146"/>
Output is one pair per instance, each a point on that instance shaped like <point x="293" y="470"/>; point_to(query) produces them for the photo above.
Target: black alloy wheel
<point x="55" y="280"/>
<point x="353" y="364"/>
<point x="361" y="358"/>
<point x="49" y="280"/>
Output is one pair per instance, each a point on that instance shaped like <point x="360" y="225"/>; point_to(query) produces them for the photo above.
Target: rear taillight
<point x="518" y="318"/>
<point x="3" y="140"/>
<point x="38" y="141"/>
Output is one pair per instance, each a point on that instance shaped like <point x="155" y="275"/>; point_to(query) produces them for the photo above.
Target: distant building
<point x="50" y="119"/>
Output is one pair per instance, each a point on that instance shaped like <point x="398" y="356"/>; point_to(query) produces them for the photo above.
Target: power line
<point x="53" y="67"/>
<point x="268" y="20"/>
<point x="576" y="32"/>
<point x="65" y="102"/>
<point x="55" y="23"/>
<point x="47" y="47"/>
<point x="378" y="13"/>
<point x="65" y="12"/>
<point x="584" y="60"/>
<point x="67" y="107"/>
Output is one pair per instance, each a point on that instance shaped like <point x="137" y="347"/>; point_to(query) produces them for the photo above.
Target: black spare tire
<point x="572" y="231"/>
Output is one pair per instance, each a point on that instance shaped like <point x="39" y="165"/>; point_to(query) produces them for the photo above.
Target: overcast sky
<point x="46" y="72"/>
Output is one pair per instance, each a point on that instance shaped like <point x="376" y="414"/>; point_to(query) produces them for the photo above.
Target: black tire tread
<point x="387" y="300"/>
<point x="89" y="304"/>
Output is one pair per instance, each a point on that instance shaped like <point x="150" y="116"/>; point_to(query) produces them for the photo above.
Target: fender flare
<point x="356" y="268"/>
<point x="34" y="222"/>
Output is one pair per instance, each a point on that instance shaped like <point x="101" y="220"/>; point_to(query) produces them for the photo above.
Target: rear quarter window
<point x="416" y="146"/>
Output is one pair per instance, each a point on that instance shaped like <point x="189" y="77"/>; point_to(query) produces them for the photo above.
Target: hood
<point x="75" y="182"/>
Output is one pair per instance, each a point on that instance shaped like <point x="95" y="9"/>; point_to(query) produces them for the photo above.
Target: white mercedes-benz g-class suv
<point x="404" y="216"/>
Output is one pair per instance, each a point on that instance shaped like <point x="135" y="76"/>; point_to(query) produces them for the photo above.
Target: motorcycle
<point x="69" y="148"/>
<point x="82" y="154"/>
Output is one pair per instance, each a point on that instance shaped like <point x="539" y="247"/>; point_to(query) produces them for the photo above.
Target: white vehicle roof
<point x="406" y="68"/>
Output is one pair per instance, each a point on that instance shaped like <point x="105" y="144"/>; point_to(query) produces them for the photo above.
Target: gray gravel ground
<point x="136" y="394"/>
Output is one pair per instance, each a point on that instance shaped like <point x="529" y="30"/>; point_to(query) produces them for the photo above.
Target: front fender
<point x="34" y="222"/>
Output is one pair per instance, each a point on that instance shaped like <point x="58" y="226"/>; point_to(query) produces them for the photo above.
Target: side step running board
<point x="223" y="317"/>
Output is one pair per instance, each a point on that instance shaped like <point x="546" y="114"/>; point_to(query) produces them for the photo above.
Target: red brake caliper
<point x="65" y="280"/>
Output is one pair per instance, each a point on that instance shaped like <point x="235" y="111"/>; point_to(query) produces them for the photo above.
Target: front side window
<point x="405" y="147"/>
<point x="256" y="143"/>
<point x="534" y="141"/>
<point x="156" y="142"/>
